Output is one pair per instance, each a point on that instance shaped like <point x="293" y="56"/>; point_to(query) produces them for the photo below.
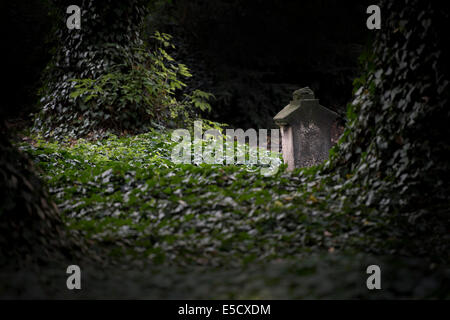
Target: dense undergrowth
<point x="281" y="236"/>
<point x="105" y="78"/>
<point x="383" y="192"/>
<point x="127" y="191"/>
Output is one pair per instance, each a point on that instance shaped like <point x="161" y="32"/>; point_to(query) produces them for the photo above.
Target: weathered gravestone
<point x="306" y="130"/>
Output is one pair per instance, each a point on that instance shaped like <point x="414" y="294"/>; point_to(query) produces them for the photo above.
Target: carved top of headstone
<point x="303" y="100"/>
<point x="302" y="94"/>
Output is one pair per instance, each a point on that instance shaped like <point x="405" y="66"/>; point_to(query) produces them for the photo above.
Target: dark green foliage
<point x="103" y="78"/>
<point x="394" y="150"/>
<point x="384" y="190"/>
<point x="127" y="192"/>
<point x="108" y="35"/>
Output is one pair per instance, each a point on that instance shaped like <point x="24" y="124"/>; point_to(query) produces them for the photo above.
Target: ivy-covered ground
<point x="165" y="230"/>
<point x="127" y="191"/>
<point x="142" y="226"/>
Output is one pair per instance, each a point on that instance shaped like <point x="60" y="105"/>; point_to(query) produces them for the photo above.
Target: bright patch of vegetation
<point x="127" y="194"/>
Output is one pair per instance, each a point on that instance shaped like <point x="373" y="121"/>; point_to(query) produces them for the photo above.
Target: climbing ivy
<point x="393" y="149"/>
<point x="103" y="77"/>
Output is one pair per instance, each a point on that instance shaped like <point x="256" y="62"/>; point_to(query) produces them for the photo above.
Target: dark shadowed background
<point x="250" y="54"/>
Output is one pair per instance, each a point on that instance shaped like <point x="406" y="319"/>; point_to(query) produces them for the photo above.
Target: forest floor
<point x="211" y="231"/>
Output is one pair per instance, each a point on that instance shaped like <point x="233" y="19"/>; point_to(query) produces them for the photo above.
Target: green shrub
<point x="145" y="92"/>
<point x="103" y="78"/>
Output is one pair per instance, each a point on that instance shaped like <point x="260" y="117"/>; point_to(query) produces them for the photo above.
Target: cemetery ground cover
<point x="283" y="236"/>
<point x="142" y="226"/>
<point x="127" y="191"/>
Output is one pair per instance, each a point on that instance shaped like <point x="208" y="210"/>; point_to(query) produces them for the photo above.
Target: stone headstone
<point x="306" y="130"/>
